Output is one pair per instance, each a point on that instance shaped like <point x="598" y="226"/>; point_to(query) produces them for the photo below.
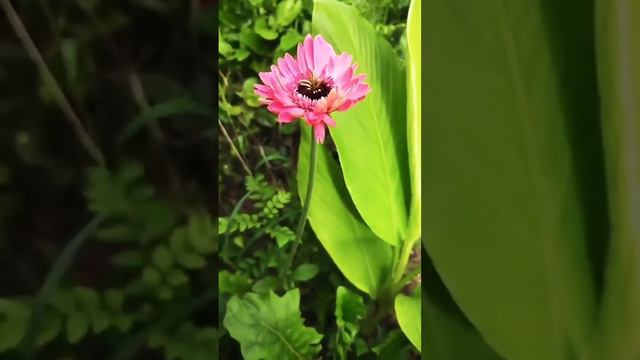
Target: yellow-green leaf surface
<point x="363" y="258"/>
<point x="504" y="220"/>
<point x="371" y="136"/>
<point x="618" y="53"/>
<point x="408" y="313"/>
<point x="414" y="115"/>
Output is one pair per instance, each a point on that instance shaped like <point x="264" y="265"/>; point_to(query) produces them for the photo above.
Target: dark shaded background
<point x="140" y="75"/>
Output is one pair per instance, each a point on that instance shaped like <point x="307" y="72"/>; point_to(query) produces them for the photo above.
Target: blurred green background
<point x="139" y="78"/>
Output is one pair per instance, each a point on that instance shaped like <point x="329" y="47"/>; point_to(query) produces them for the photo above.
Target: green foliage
<point x="255" y="226"/>
<point x="618" y="71"/>
<point x="187" y="342"/>
<point x="350" y="310"/>
<point x="71" y="313"/>
<point x="414" y="116"/>
<point x="268" y="204"/>
<point x="369" y="140"/>
<point x="153" y="243"/>
<point x="338" y="225"/>
<point x="271" y="327"/>
<point x="408" y="312"/>
<point x="522" y="210"/>
<point x="13" y="323"/>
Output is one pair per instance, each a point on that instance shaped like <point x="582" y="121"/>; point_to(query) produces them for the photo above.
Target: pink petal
<point x="359" y="92"/>
<point x="308" y="52"/>
<point x="338" y="65"/>
<point x="318" y="131"/>
<point x="266" y="77"/>
<point x="313" y="118"/>
<point x="322" y="53"/>
<point x="346" y="105"/>
<point x="263" y="91"/>
<point x="328" y="120"/>
<point x="284" y="70"/>
<point x="291" y="64"/>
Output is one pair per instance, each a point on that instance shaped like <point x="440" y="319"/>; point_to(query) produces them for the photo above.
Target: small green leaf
<point x="128" y="258"/>
<point x="162" y="257"/>
<point x="123" y="322"/>
<point x="271" y="327"/>
<point x="114" y="299"/>
<point x="13" y="323"/>
<point x="253" y="41"/>
<point x="236" y="283"/>
<point x="49" y="326"/>
<point x="305" y="272"/>
<point x="89" y="301"/>
<point x="287" y="11"/>
<point x="63" y="301"/>
<point x="165" y="293"/>
<point x="262" y="28"/>
<point x="191" y="260"/>
<point x="177" y="277"/>
<point x="394" y="346"/>
<point x="77" y="326"/>
<point x="350" y="309"/>
<point x="408" y="313"/>
<point x="290" y="39"/>
<point x="265" y="285"/>
<point x="151" y="276"/>
<point x="201" y="233"/>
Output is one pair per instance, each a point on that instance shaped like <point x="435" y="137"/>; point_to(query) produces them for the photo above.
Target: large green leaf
<point x="414" y="115"/>
<point x="503" y="207"/>
<point x="448" y="335"/>
<point x="362" y="257"/>
<point x="618" y="52"/>
<point x="446" y="332"/>
<point x="270" y="327"/>
<point x="409" y="313"/>
<point x="371" y="137"/>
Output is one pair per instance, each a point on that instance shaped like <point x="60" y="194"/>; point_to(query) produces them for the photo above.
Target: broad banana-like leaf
<point x="618" y="54"/>
<point x="371" y="137"/>
<point x="363" y="258"/>
<point x="504" y="197"/>
<point x="414" y="115"/>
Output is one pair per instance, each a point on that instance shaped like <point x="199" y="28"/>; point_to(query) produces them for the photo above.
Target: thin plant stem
<point x="401" y="265"/>
<point x="50" y="82"/>
<point x="233" y="147"/>
<point x="313" y="162"/>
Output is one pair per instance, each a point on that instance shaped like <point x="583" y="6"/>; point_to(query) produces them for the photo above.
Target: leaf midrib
<point x="274" y="331"/>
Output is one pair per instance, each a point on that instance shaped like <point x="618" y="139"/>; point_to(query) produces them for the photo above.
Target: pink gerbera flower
<point x="312" y="86"/>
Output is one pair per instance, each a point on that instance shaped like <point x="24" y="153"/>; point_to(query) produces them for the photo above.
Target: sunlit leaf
<point x="408" y="312"/>
<point x="363" y="258"/>
<point x="414" y="116"/>
<point x="371" y="137"/>
<point x="271" y="327"/>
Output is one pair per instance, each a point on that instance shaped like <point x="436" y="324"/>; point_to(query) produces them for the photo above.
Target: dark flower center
<point x="313" y="88"/>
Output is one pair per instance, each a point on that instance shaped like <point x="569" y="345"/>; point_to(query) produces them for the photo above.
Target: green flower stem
<point x="313" y="161"/>
<point x="403" y="261"/>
